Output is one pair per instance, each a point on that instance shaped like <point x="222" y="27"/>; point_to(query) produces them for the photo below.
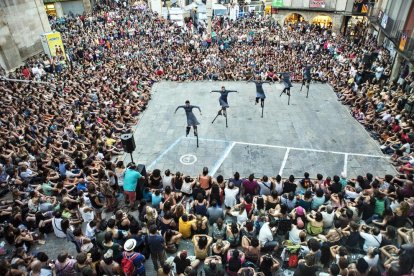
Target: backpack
<point x="127" y="264"/>
<point x="293" y="260"/>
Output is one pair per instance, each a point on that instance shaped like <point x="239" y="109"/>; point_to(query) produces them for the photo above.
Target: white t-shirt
<point x="294" y="234"/>
<point x="230" y="196"/>
<point x="86" y="216"/>
<point x="240" y="217"/>
<point x="265" y="187"/>
<point x="328" y="219"/>
<point x="167" y="181"/>
<point x="370" y="240"/>
<point x="120" y="175"/>
<point x="70" y="174"/>
<point x="278" y="188"/>
<point x="265" y="234"/>
<point x="187" y="188"/>
<point x="90" y="231"/>
<point x="372" y="262"/>
<point x="57" y="228"/>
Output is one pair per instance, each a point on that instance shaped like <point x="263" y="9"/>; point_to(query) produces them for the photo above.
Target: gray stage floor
<point x="315" y="134"/>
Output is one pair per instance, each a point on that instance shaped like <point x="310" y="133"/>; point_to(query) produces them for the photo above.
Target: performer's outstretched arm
<point x="178" y="107"/>
<point x="232" y="91"/>
<point x="215" y="91"/>
<point x="195" y="106"/>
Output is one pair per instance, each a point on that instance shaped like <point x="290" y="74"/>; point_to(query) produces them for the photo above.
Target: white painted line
<point x="346" y="163"/>
<point x="221" y="159"/>
<point x="292" y="148"/>
<point x="313" y="150"/>
<point x="282" y="167"/>
<point x="164" y="153"/>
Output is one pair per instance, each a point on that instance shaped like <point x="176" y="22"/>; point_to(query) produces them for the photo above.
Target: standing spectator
<point x="156" y="245"/>
<point x="132" y="262"/>
<point x="108" y="266"/>
<point x="130" y="184"/>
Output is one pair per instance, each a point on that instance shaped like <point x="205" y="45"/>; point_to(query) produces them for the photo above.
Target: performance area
<point x="315" y="134"/>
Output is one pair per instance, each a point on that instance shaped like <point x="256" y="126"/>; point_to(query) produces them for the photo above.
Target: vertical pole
<point x="132" y="159"/>
<point x="262" y="108"/>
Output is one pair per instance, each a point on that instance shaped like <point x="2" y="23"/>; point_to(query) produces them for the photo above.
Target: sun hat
<point x="130" y="244"/>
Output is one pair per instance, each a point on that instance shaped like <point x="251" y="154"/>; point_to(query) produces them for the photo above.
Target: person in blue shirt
<point x="81" y="185"/>
<point x="156" y="198"/>
<point x="130" y="184"/>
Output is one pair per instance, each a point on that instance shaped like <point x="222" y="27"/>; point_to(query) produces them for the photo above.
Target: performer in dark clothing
<point x="191" y="118"/>
<point x="287" y="83"/>
<point x="223" y="102"/>
<point x="260" y="94"/>
<point x="307" y="77"/>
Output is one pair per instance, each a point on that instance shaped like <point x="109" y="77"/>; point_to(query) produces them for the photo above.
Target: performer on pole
<point x="307" y="77"/>
<point x="288" y="84"/>
<point x="191" y="118"/>
<point x="260" y="94"/>
<point x="223" y="102"/>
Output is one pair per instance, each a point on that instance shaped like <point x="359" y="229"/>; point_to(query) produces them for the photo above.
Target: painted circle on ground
<point x="188" y="159"/>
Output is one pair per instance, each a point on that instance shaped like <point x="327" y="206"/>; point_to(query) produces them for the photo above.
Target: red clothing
<point x="396" y="128"/>
<point x="250" y="187"/>
<point x="26" y="73"/>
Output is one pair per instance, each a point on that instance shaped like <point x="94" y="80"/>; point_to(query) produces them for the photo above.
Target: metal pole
<point x="132" y="159"/>
<point x="262" y="108"/>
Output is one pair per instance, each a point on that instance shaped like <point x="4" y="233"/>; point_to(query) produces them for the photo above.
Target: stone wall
<point x="309" y="15"/>
<point x="21" y="24"/>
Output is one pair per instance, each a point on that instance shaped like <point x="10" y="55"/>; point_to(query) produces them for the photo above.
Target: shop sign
<point x="317" y="4"/>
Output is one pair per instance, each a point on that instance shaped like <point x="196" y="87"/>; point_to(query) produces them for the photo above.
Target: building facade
<point x="392" y="21"/>
<point x="59" y="8"/>
<point x="21" y="24"/>
<point x="338" y="14"/>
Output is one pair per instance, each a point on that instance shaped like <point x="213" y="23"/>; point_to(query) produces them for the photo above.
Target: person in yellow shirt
<point x="184" y="225"/>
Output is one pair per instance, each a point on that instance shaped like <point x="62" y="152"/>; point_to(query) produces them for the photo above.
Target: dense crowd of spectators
<point x="59" y="139"/>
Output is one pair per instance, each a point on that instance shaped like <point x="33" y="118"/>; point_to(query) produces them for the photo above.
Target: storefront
<point x="351" y="23"/>
<point x="322" y="20"/>
<point x="294" y="18"/>
<point x="50" y="9"/>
